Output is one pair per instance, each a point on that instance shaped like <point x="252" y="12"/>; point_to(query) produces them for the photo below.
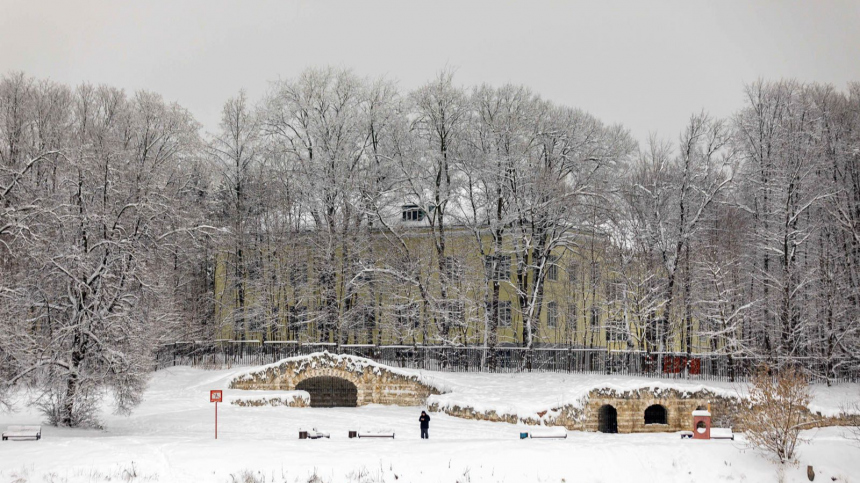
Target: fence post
<point x="569" y="359"/>
<point x="606" y="362"/>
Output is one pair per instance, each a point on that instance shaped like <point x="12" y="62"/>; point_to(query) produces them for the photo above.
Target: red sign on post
<point x="215" y="396"/>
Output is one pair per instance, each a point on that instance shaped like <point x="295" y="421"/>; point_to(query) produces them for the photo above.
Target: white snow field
<point x="170" y="438"/>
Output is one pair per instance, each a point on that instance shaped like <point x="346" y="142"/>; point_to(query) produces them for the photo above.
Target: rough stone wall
<point x="630" y="407"/>
<point x="374" y="383"/>
<point x="273" y="401"/>
<point x="570" y="416"/>
<point x="470" y="413"/>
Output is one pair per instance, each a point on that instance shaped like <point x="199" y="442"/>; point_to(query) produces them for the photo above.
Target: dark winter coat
<point x="425" y="421"/>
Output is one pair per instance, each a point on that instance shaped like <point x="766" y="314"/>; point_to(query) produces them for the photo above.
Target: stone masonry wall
<point x="271" y="401"/>
<point x="629" y="405"/>
<point x="375" y="384"/>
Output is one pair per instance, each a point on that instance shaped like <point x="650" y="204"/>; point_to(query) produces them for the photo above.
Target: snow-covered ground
<point x="170" y="438"/>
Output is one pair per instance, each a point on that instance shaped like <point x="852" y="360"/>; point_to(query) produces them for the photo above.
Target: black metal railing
<point x="715" y="367"/>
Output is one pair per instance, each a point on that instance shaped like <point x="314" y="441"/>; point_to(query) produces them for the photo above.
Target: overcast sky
<point x="645" y="64"/>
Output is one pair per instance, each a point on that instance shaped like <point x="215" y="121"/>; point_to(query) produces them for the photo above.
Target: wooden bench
<point x="373" y="433"/>
<point x="23" y="432"/>
<point x="313" y="433"/>
<point x="722" y="433"/>
<point x="548" y="433"/>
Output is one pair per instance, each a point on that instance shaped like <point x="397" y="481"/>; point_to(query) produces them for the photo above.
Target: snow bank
<point x="835" y="401"/>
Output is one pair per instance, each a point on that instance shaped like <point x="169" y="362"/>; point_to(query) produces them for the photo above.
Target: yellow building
<point x="378" y="293"/>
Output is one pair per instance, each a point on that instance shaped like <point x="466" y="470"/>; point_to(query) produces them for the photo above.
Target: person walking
<point x="425" y="425"/>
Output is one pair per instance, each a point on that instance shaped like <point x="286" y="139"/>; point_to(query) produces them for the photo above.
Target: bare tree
<point x="672" y="195"/>
<point x="236" y="151"/>
<point x="88" y="306"/>
<point x="777" y="412"/>
<point x="319" y="123"/>
<point x="551" y="192"/>
<point x="503" y="131"/>
<point x="441" y="111"/>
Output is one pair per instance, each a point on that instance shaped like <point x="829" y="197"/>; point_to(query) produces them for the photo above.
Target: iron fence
<point x="713" y="367"/>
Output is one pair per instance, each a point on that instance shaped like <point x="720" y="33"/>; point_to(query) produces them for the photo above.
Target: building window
<point x="298" y="318"/>
<point x="657" y="331"/>
<point x="498" y="267"/>
<point x="363" y="271"/>
<point x="412" y="213"/>
<point x="453" y="310"/>
<point x="552" y="315"/>
<point x="595" y="274"/>
<point x="552" y="268"/>
<point x="363" y="318"/>
<point x="571" y="315"/>
<point x="613" y="291"/>
<point x="572" y="269"/>
<point x="616" y="331"/>
<point x="406" y="315"/>
<point x="255" y="269"/>
<point x="453" y="269"/>
<point x="504" y="313"/>
<point x="254" y="323"/>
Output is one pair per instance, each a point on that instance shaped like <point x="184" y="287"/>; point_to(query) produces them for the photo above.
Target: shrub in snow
<point x="52" y="400"/>
<point x="777" y="411"/>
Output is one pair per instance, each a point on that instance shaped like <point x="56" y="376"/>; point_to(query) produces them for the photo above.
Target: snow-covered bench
<point x="722" y="433"/>
<point x="374" y="433"/>
<point x="23" y="432"/>
<point x="686" y="434"/>
<point x="313" y="433"/>
<point x="548" y="433"/>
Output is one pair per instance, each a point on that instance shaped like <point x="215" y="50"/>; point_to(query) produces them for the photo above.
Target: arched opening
<point x="330" y="392"/>
<point x="607" y="419"/>
<point x="655" y="414"/>
<point x="701" y="408"/>
<point x="700" y="427"/>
